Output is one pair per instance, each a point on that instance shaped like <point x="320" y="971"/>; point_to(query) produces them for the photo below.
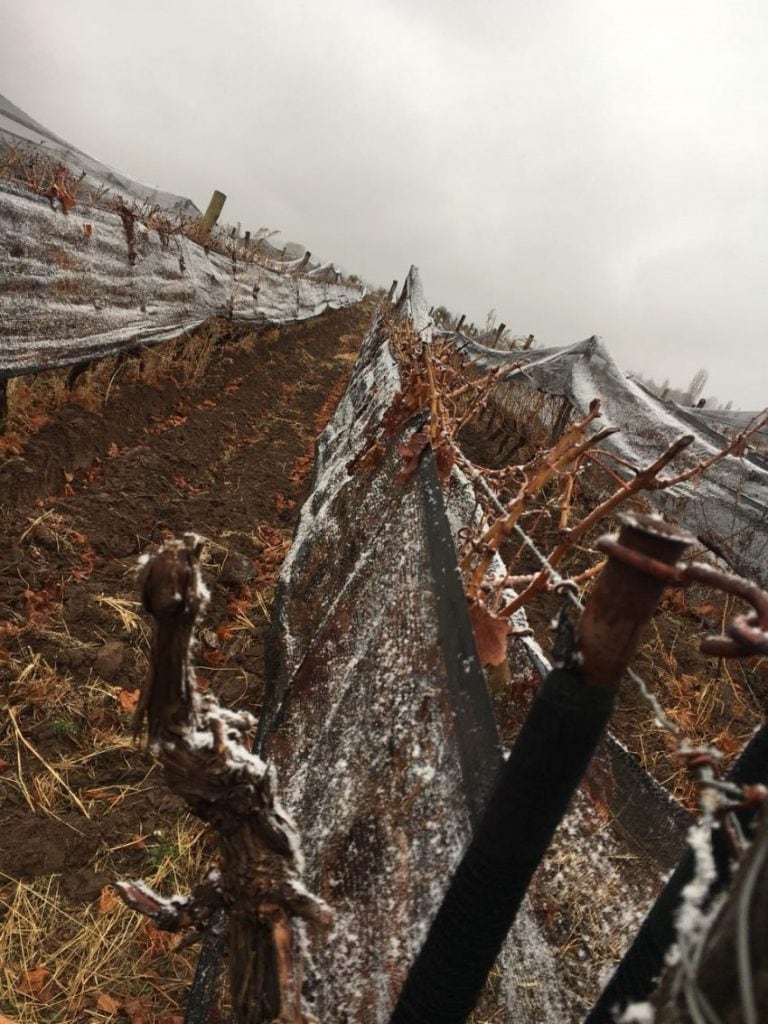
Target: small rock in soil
<point x="109" y="659"/>
<point x="237" y="569"/>
<point x="44" y="537"/>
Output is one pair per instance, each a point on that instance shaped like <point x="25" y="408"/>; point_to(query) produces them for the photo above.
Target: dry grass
<point x="64" y="961"/>
<point x="89" y="963"/>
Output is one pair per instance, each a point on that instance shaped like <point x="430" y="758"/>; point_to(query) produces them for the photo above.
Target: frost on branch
<point x="206" y="760"/>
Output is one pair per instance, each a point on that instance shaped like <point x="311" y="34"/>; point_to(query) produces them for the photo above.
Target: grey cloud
<point x="583" y="167"/>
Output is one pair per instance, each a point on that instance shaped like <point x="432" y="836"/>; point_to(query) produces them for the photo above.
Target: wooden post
<point x="528" y="342"/>
<point x="392" y="290"/>
<point x="499" y="331"/>
<point x="213" y="212"/>
<point x="304" y="261"/>
<point x="460" y="324"/>
<point x="247" y="239"/>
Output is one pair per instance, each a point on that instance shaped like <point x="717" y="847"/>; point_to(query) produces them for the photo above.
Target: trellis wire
<point x="697" y="1003"/>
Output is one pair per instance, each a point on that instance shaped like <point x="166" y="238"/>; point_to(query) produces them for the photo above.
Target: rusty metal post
<point x="535" y="786"/>
<point x="213" y="212"/>
<point x="624" y="598"/>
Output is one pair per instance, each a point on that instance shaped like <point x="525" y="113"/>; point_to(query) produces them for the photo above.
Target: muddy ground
<point x="228" y="458"/>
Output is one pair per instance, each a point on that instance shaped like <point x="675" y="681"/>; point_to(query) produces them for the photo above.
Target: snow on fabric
<point x="72" y="287"/>
<point x="72" y="295"/>
<point x="362" y="731"/>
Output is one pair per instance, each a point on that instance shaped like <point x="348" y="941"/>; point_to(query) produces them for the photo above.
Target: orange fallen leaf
<point x="283" y="504"/>
<point x="108" y="900"/>
<point x="6" y="1020"/>
<point x="129" y="699"/>
<point x="107" y="1003"/>
<point x="157" y="940"/>
<point x="137" y="1009"/>
<point x="37" y="984"/>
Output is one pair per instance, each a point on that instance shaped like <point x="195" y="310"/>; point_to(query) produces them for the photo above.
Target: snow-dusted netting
<point x="361" y="720"/>
<point x="84" y="285"/>
<point x="70" y="293"/>
<point x="17" y="127"/>
<point x="728" y="507"/>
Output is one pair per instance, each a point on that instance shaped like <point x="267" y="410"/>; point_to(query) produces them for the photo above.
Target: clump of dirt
<point x="227" y="457"/>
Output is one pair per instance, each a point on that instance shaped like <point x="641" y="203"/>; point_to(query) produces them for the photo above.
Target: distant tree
<point x="490" y="321"/>
<point x="699" y="379"/>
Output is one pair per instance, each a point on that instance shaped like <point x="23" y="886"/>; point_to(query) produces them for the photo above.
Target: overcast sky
<point x="584" y="167"/>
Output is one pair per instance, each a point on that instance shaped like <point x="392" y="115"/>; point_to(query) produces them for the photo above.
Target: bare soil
<point x="227" y="458"/>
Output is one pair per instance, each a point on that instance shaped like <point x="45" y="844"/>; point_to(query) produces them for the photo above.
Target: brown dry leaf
<point x="490" y="634"/>
<point x="107" y="1003"/>
<point x="444" y="460"/>
<point x="370" y="459"/>
<point x="410" y="452"/>
<point x="675" y="602"/>
<point x="158" y="941"/>
<point x="707" y="612"/>
<point x="129" y="699"/>
<point x="170" y="1018"/>
<point x="137" y="1009"/>
<point x="283" y="504"/>
<point x="108" y="900"/>
<point x="36" y="983"/>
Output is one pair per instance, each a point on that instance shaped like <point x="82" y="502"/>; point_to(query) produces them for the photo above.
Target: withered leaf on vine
<point x="369" y="459"/>
<point x="410" y="452"/>
<point x="445" y="458"/>
<point x="404" y="405"/>
<point x="490" y="634"/>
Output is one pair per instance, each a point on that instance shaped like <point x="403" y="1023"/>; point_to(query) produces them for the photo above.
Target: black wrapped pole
<point x="535" y="786"/>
